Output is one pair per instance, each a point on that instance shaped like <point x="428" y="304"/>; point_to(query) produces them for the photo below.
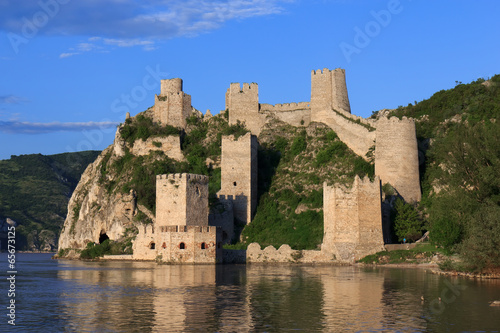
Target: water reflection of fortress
<point x="231" y="298"/>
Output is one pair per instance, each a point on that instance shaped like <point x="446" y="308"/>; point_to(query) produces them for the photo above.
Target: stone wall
<point x="181" y="199"/>
<point x="223" y="219"/>
<point x="285" y="254"/>
<point x="328" y="91"/>
<point x="170" y="145"/>
<point x="239" y="175"/>
<point x="172" y="106"/>
<point x="297" y="117"/>
<point x="329" y="105"/>
<point x="356" y="136"/>
<point x="396" y="156"/>
<point x="178" y="244"/>
<point x="352" y="220"/>
<point x="243" y="106"/>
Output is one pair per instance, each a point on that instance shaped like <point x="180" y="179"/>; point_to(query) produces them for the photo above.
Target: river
<point x="67" y="296"/>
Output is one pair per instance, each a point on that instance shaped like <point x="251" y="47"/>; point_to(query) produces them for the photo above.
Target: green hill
<point x="34" y="192"/>
<point x="459" y="135"/>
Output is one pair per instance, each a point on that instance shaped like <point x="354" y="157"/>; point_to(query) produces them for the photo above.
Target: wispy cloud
<point x="24" y="127"/>
<point x="126" y="23"/>
<point x="99" y="44"/>
<point x="12" y="99"/>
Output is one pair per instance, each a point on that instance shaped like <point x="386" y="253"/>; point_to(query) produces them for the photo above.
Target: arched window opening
<point x="182" y="246"/>
<point x="203" y="246"/>
<point x="234" y="183"/>
<point x="152" y="246"/>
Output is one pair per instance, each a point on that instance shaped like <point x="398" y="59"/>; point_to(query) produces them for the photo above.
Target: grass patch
<point x="422" y="252"/>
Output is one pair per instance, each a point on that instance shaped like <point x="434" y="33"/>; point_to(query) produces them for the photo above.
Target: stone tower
<point x="328" y="91"/>
<point x="239" y="175"/>
<point x="181" y="199"/>
<point x="172" y="106"/>
<point x="353" y="220"/>
<point x="396" y="156"/>
<point x="243" y="105"/>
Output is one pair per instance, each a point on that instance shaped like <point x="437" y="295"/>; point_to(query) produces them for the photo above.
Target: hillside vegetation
<point x="34" y="192"/>
<point x="293" y="164"/>
<point x="459" y="135"/>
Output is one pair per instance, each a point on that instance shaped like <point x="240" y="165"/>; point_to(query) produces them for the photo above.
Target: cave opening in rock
<point x="103" y="237"/>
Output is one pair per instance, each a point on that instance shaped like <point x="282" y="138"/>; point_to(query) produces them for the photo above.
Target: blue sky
<point x="71" y="69"/>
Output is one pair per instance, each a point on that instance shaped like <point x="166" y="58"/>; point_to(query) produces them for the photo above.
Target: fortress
<point x="352" y="216"/>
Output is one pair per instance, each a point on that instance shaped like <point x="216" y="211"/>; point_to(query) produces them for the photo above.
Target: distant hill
<point x="34" y="192"/>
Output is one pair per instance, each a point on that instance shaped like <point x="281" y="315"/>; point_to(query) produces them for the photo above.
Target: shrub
<point x="407" y="223"/>
<point x="298" y="146"/>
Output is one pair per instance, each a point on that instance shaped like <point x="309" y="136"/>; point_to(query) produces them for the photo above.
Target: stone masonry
<point x="396" y="153"/>
<point x="172" y="106"/>
<point x="180" y="233"/>
<point x="396" y="156"/>
<point x="353" y="220"/>
<point x="177" y="196"/>
<point x="239" y="175"/>
<point x="328" y="91"/>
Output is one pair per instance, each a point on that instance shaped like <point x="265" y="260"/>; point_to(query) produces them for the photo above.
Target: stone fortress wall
<point x="239" y="175"/>
<point x="395" y="142"/>
<point x="172" y="106"/>
<point x="352" y="216"/>
<point x="353" y="219"/>
<point x="352" y="228"/>
<point x="180" y="232"/>
<point x="396" y="156"/>
<point x="176" y="197"/>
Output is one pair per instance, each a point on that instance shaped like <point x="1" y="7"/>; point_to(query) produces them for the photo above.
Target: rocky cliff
<point x="94" y="214"/>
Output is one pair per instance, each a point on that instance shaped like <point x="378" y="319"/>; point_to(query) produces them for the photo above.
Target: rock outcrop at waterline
<point x="93" y="213"/>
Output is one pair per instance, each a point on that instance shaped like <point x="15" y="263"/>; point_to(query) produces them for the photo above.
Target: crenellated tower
<point x="353" y="219"/>
<point x="181" y="199"/>
<point x="243" y="105"/>
<point x="172" y="106"/>
<point x="328" y="91"/>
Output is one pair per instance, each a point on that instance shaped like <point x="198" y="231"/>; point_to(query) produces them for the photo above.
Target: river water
<point x="67" y="296"/>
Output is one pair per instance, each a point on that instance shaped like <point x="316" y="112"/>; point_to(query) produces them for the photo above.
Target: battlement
<point x="183" y="176"/>
<point x="181" y="199"/>
<point x="327" y="71"/>
<point x="328" y="91"/>
<point x="353" y="219"/>
<point x="170" y="86"/>
<point x="188" y="228"/>
<point x="172" y="105"/>
<point x="284" y="107"/>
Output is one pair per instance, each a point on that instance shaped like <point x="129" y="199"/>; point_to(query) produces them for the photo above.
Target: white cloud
<point x="68" y="54"/>
<point x="129" y="23"/>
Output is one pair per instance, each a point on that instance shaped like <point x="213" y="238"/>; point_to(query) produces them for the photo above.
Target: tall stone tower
<point x="353" y="220"/>
<point x="181" y="199"/>
<point x="172" y="106"/>
<point x="396" y="156"/>
<point x="328" y="91"/>
<point x="243" y="105"/>
<point x="239" y="175"/>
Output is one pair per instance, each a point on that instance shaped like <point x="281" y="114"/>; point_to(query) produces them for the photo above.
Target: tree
<point x="407" y="222"/>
